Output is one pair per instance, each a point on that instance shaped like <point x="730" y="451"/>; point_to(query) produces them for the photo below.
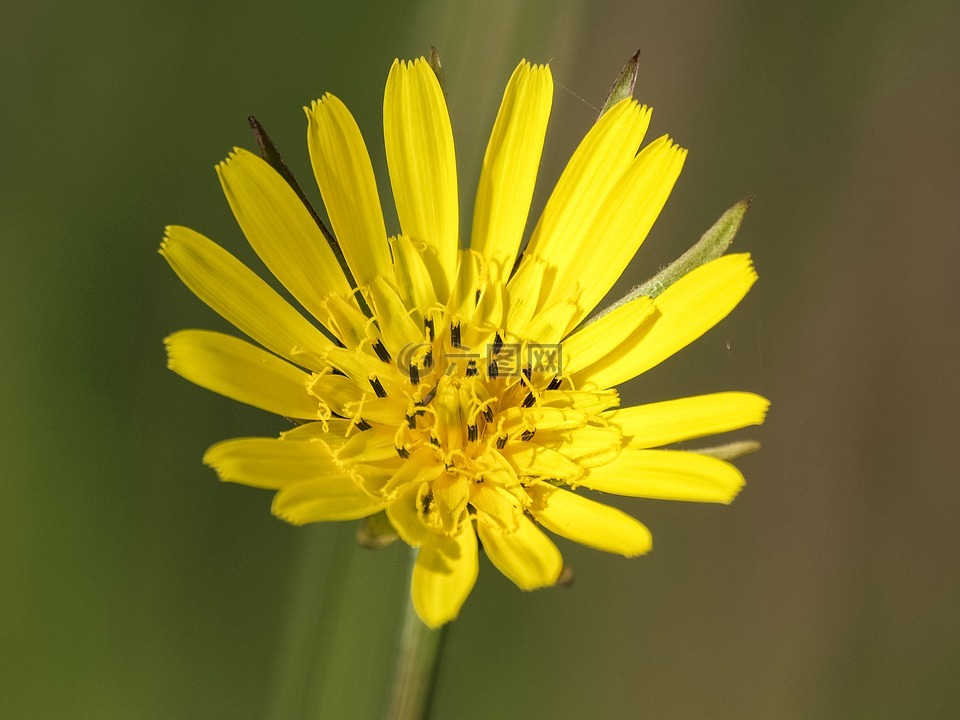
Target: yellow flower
<point x="448" y="387"/>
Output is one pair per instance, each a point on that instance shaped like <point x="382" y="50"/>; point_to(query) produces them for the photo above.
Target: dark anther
<point x="497" y="344"/>
<point x="411" y="421"/>
<point x="428" y="326"/>
<point x="455" y="335"/>
<point x="334" y="371"/>
<point x="473" y="432"/>
<point x="501" y="442"/>
<point x="488" y="414"/>
<point x="434" y="440"/>
<point x="527" y="373"/>
<point x="554" y="384"/>
<point x="380" y="349"/>
<point x="476" y="297"/>
<point x="428" y="359"/>
<point x="472" y="368"/>
<point x="528" y="400"/>
<point x="528" y="434"/>
<point x="492" y="370"/>
<point x="378" y="387"/>
<point x="427" y="502"/>
<point x="403" y="452"/>
<point x="362" y="425"/>
<point x="414" y="375"/>
<point x="428" y="398"/>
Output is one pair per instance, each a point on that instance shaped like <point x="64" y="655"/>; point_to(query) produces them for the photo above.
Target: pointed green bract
<point x="624" y="84"/>
<point x="711" y="245"/>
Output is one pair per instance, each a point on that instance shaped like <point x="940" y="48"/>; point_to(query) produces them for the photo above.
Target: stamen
<point x="492" y="370"/>
<point x="455" y="335"/>
<point x="528" y="401"/>
<point x="428" y="326"/>
<point x="427" y="501"/>
<point x="473" y="432"/>
<point x="428" y="359"/>
<point x="414" y="374"/>
<point x="403" y="452"/>
<point x="471" y="368"/>
<point x="378" y="387"/>
<point x="336" y="371"/>
<point x="527" y="372"/>
<point x="380" y="349"/>
<point x="528" y="434"/>
<point x="554" y="384"/>
<point x="497" y="344"/>
<point x="501" y="442"/>
<point x="488" y="414"/>
<point x="362" y="425"/>
<point x="428" y="398"/>
<point x="411" y="421"/>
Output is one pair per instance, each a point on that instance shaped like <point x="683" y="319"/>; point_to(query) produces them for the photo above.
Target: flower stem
<point x="417" y="665"/>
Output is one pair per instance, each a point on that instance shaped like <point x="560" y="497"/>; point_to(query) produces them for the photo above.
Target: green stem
<point x="416" y="669"/>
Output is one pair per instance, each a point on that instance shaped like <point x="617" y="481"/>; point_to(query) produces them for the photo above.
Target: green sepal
<point x="376" y="532"/>
<point x="269" y="152"/>
<point x="730" y="451"/>
<point x="624" y="84"/>
<point x="710" y="246"/>
<point x="437" y="68"/>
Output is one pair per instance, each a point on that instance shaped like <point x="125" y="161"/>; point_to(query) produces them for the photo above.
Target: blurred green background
<point x="134" y="585"/>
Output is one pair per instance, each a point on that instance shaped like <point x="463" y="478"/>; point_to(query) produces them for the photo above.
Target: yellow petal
<point x="591" y="174"/>
<point x="667" y="475"/>
<point x="443" y="576"/>
<point x="662" y="423"/>
<point x="621" y="225"/>
<point x="532" y="460"/>
<point x="242" y="372"/>
<point x="496" y="506"/>
<point x="587" y="401"/>
<point x="242" y="298"/>
<point x="370" y="446"/>
<point x="333" y="497"/>
<point x="594" y="341"/>
<point x="269" y="462"/>
<point x="422" y="466"/>
<point x="344" y="173"/>
<point x="422" y="164"/>
<point x="337" y="392"/>
<point x="281" y="230"/>
<point x="463" y="297"/>
<point x="526" y="555"/>
<point x="587" y="522"/>
<point x="523" y="292"/>
<point x="587" y="446"/>
<point x="413" y="280"/>
<point x="510" y="167"/>
<point x="406" y="519"/>
<point x="688" y="308"/>
<point x="399" y="331"/>
<point x="553" y="322"/>
<point x="333" y="432"/>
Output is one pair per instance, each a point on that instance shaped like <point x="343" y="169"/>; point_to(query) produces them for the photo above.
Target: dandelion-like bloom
<point x="451" y="387"/>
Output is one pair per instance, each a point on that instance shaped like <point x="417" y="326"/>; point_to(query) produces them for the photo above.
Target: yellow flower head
<point x="451" y="387"/>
